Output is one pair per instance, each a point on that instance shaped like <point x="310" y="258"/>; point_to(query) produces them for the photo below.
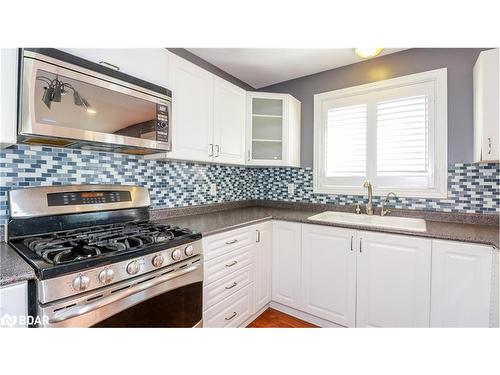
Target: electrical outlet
<point x="291" y="189"/>
<point x="213" y="189"/>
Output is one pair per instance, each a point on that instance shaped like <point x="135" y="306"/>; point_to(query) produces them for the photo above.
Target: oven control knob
<point x="106" y="276"/>
<point x="80" y="283"/>
<point x="176" y="254"/>
<point x="189" y="250"/>
<point x="133" y="267"/>
<point x="158" y="260"/>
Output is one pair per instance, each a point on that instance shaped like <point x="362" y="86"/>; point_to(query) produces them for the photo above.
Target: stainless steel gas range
<point x="100" y="262"/>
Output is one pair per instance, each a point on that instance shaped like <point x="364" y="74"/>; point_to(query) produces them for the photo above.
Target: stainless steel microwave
<point x="67" y="101"/>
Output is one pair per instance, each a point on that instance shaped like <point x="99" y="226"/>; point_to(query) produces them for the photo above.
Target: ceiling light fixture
<point x="55" y="89"/>
<point x="367" y="53"/>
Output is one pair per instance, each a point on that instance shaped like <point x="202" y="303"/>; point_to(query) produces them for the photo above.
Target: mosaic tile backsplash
<point x="171" y="184"/>
<point x="471" y="187"/>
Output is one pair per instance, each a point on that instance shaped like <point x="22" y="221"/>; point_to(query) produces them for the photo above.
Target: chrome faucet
<point x="383" y="211"/>
<point x="369" y="206"/>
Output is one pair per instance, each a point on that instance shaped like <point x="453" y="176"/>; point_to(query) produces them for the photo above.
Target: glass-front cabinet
<point x="273" y="129"/>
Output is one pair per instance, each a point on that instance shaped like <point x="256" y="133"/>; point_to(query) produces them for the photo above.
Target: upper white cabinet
<point x="192" y="111"/>
<point x="394" y="274"/>
<point x="461" y="284"/>
<point x="328" y="279"/>
<point x="208" y="115"/>
<point x="273" y="129"/>
<point x="149" y="64"/>
<point x="286" y="260"/>
<point x="8" y="96"/>
<point x="229" y="122"/>
<point x="486" y="103"/>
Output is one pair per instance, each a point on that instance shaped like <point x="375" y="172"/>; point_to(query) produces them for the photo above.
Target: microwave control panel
<point x="162" y="121"/>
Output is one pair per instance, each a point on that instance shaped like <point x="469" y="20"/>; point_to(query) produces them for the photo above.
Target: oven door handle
<point x="84" y="309"/>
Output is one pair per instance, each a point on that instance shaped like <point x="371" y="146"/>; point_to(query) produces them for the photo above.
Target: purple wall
<point x="459" y="62"/>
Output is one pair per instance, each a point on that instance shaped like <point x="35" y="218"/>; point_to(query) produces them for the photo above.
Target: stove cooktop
<point x="58" y="253"/>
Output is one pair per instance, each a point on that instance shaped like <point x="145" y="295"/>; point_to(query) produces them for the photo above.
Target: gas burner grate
<point x="85" y="243"/>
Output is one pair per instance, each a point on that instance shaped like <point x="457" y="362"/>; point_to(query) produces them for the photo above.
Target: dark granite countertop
<point x="215" y="222"/>
<point x="13" y="268"/>
<point x="215" y="219"/>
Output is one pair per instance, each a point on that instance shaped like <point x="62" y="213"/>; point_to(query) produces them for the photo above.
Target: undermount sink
<point x="387" y="222"/>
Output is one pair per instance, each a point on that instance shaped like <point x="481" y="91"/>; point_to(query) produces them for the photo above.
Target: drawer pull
<point x="232" y="263"/>
<point x="232" y="286"/>
<point x="231" y="242"/>
<point x="232" y="316"/>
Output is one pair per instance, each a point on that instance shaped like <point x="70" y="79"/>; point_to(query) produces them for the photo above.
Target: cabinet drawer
<point x="219" y="244"/>
<point x="226" y="286"/>
<point x="232" y="311"/>
<point x="222" y="266"/>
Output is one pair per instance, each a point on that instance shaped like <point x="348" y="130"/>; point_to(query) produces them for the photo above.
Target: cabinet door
<point x="329" y="273"/>
<point x="461" y="284"/>
<point x="486" y="111"/>
<point x="14" y="304"/>
<point x="286" y="263"/>
<point x="394" y="274"/>
<point x="229" y="122"/>
<point x="262" y="265"/>
<point x="267" y="130"/>
<point x="149" y="64"/>
<point x="192" y="111"/>
<point x="8" y="96"/>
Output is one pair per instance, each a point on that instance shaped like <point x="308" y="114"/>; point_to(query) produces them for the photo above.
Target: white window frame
<point x="438" y="136"/>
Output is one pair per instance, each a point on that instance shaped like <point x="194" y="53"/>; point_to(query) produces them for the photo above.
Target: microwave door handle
<point x="80" y="310"/>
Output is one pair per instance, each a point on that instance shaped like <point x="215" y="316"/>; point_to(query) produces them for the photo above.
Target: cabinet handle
<point x="489" y="145"/>
<point x="231" y="242"/>
<point x="232" y="286"/>
<point x="258" y="235"/>
<point x="217" y="149"/>
<point x="109" y="65"/>
<point x="211" y="153"/>
<point x="231" y="264"/>
<point x="360" y="245"/>
<point x="352" y="239"/>
<point x="232" y="316"/>
<point x="248" y="152"/>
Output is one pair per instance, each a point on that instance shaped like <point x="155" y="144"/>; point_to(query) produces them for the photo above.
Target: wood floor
<point x="275" y="319"/>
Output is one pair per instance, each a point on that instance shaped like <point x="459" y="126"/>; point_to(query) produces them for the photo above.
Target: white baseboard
<point x="304" y="316"/>
<point x="292" y="312"/>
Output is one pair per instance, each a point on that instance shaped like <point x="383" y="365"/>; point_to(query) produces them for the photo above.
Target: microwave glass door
<point x="66" y="102"/>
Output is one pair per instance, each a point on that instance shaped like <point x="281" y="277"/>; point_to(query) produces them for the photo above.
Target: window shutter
<point x="402" y="136"/>
<point x="346" y="141"/>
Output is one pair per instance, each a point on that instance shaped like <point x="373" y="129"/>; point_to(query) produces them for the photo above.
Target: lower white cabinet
<point x="262" y="265"/>
<point x="231" y="312"/>
<point x="394" y="274"/>
<point x="461" y="284"/>
<point x="328" y="281"/>
<point x="14" y="305"/>
<point x="347" y="277"/>
<point x="286" y="254"/>
<point x="237" y="275"/>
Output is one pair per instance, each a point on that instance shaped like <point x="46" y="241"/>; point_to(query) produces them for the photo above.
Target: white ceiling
<point x="260" y="67"/>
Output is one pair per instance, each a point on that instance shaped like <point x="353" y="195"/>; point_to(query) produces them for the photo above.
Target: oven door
<point x="169" y="300"/>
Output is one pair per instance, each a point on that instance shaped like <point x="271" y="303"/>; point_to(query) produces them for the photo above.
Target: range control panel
<point x="87" y="197"/>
